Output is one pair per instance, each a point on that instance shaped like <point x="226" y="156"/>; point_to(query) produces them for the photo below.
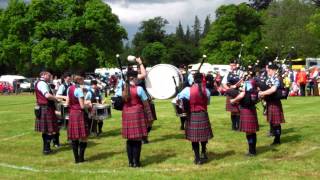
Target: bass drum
<point x="163" y="81"/>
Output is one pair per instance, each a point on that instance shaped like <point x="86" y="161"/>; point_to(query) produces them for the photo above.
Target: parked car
<point x="24" y="82"/>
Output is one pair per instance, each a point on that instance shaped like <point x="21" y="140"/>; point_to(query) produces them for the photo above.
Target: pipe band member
<point x="274" y="107"/>
<point x="198" y="127"/>
<point x="247" y="98"/>
<point x="135" y="116"/>
<point x="230" y="83"/>
<point x="46" y="119"/>
<point x="94" y="96"/>
<point x="77" y="128"/>
<point x="62" y="95"/>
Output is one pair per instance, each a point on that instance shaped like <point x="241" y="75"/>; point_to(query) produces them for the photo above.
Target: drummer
<point x="61" y="95"/>
<point x="94" y="96"/>
<point x="198" y="127"/>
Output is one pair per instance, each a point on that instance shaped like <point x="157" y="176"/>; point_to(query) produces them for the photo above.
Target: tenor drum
<point x="163" y="80"/>
<point x="101" y="112"/>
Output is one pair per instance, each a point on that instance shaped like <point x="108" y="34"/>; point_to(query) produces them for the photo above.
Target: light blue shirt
<point x="185" y="93"/>
<point x="43" y="87"/>
<point x="78" y="93"/>
<point x="140" y="92"/>
<point x="190" y="79"/>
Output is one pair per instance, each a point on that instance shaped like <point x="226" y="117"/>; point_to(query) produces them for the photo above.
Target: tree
<point x="183" y="53"/>
<point x="234" y="25"/>
<point x="284" y="27"/>
<point x="196" y="31"/>
<point x="150" y="31"/>
<point x="180" y="32"/>
<point x="316" y="2"/>
<point x="187" y="37"/>
<point x="260" y="4"/>
<point x="206" y="26"/>
<point x="59" y="35"/>
<point x="154" y="53"/>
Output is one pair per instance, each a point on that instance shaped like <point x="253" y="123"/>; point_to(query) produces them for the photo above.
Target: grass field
<point x="169" y="155"/>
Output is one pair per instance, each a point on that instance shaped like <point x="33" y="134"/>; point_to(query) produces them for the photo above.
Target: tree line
<point x="80" y="35"/>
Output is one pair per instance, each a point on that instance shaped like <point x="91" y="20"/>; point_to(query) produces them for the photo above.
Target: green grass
<point x="169" y="155"/>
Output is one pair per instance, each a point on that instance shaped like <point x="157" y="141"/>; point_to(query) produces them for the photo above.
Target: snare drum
<point x="101" y="112"/>
<point x="180" y="112"/>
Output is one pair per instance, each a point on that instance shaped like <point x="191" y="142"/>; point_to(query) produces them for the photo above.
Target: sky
<point x="132" y="12"/>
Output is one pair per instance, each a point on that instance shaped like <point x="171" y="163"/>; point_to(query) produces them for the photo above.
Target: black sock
<point x="55" y="139"/>
<point x="204" y="146"/>
<point x="129" y="152"/>
<point x="277" y="134"/>
<point x="250" y="139"/>
<point x="75" y="149"/>
<point x="254" y="145"/>
<point x="100" y="124"/>
<point x="237" y="121"/>
<point x="233" y="125"/>
<point x="83" y="146"/>
<point x="195" y="147"/>
<point x="182" y="120"/>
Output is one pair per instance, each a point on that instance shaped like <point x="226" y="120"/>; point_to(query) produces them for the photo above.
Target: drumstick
<point x="203" y="58"/>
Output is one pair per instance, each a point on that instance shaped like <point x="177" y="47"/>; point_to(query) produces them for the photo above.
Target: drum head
<point x="160" y="81"/>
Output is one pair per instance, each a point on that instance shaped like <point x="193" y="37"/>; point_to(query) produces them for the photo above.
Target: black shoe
<point x="145" y="141"/>
<point x="47" y="152"/>
<point x="275" y="143"/>
<point x="198" y="161"/>
<point x="130" y="164"/>
<point x="136" y="165"/>
<point x="250" y="154"/>
<point x="204" y="156"/>
<point x="182" y="128"/>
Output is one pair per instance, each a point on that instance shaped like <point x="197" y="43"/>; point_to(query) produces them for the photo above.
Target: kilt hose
<point x="48" y="121"/>
<point x="198" y="127"/>
<point x="248" y="120"/>
<point x="78" y="126"/>
<point x="275" y="112"/>
<point x="134" y="123"/>
<point x="233" y="108"/>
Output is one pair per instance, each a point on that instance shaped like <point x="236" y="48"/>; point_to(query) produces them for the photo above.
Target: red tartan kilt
<point x="275" y="112"/>
<point x="48" y="122"/>
<point x="134" y="122"/>
<point x="77" y="127"/>
<point x="248" y="120"/>
<point x="230" y="107"/>
<point x="198" y="127"/>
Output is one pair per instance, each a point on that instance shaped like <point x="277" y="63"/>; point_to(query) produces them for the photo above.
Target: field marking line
<point x="15" y="136"/>
<point x="18" y="167"/>
<point x="104" y="171"/>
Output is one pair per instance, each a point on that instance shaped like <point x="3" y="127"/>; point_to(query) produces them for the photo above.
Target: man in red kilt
<point x="46" y="120"/>
<point x="274" y="107"/>
<point x="247" y="99"/>
<point x="231" y="83"/>
<point x="198" y="127"/>
<point x="78" y="130"/>
<point x="136" y="115"/>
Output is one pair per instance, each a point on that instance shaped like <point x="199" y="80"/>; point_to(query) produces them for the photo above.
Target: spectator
<point x="301" y="80"/>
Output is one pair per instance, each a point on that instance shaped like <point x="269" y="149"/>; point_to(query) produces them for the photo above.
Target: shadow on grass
<point x="169" y="136"/>
<point x="288" y="130"/>
<point x="68" y="147"/>
<point x="266" y="148"/>
<point x="100" y="156"/>
<point x="114" y="132"/>
<point x="156" y="158"/>
<point x="217" y="156"/>
<point x="292" y="138"/>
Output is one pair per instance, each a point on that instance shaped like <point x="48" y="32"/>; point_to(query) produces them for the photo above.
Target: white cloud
<point x="132" y="12"/>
